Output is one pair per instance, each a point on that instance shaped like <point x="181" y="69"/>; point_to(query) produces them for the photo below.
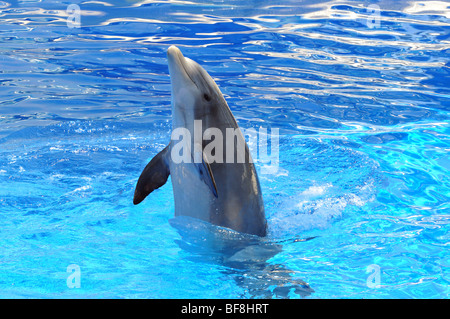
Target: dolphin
<point x="212" y="182"/>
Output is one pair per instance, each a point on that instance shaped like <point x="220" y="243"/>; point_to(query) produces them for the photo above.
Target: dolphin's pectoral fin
<point x="205" y="172"/>
<point x="154" y="175"/>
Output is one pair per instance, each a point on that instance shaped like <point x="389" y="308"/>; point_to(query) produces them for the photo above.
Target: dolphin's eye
<point x="206" y="97"/>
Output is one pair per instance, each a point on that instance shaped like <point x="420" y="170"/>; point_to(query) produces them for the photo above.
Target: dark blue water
<point x="358" y="207"/>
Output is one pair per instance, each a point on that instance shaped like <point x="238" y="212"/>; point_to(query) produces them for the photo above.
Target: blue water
<point x="358" y="208"/>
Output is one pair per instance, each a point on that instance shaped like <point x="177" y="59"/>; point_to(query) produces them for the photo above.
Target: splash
<point x="321" y="183"/>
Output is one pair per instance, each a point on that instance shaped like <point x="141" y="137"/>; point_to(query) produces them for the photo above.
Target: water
<point x="359" y="207"/>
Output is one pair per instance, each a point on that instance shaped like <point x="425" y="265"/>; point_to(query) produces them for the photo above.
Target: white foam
<point x="314" y="208"/>
<point x="81" y="189"/>
<point x="316" y="190"/>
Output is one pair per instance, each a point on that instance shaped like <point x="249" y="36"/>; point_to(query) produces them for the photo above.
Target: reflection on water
<point x="319" y="52"/>
<point x="242" y="257"/>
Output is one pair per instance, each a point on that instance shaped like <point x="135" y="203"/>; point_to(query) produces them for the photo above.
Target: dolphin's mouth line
<point x="190" y="76"/>
<point x="181" y="62"/>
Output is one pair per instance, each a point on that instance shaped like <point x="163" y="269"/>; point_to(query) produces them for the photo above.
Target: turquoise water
<point x="358" y="207"/>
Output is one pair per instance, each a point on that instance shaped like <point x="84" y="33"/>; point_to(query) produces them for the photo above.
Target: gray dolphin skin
<point x="223" y="192"/>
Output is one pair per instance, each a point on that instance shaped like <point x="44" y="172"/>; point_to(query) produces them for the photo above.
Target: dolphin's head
<point x="193" y="89"/>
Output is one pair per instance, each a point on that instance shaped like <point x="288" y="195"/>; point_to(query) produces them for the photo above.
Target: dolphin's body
<point x="223" y="193"/>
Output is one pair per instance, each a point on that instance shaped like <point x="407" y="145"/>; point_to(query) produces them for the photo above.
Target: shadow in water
<point x="243" y="257"/>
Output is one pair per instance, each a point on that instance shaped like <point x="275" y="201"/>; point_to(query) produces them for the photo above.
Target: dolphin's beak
<point x="174" y="55"/>
<point x="180" y="68"/>
<point x="174" y="51"/>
